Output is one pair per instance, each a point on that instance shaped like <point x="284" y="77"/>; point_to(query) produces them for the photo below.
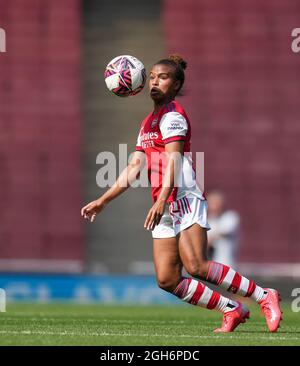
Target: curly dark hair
<point x="179" y="65"/>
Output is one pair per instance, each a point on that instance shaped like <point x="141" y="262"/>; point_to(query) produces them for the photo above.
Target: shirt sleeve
<point x="138" y="146"/>
<point x="173" y="127"/>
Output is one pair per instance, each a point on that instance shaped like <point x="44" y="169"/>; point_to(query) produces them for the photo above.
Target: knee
<point x="197" y="269"/>
<point x="167" y="284"/>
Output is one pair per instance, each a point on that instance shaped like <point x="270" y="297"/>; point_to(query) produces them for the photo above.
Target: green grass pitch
<point x="66" y="324"/>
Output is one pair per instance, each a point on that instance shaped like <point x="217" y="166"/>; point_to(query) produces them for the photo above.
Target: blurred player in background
<point x="224" y="234"/>
<point x="178" y="217"/>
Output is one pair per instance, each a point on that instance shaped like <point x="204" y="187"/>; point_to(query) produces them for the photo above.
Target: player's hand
<point x="90" y="211"/>
<point x="154" y="215"/>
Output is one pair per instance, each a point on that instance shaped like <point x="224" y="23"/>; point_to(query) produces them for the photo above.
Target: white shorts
<point x="180" y="215"/>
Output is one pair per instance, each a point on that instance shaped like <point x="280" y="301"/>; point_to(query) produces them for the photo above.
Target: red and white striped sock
<point x="196" y="293"/>
<point x="226" y="277"/>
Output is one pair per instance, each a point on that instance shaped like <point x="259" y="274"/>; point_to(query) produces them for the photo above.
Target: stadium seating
<point x="242" y="94"/>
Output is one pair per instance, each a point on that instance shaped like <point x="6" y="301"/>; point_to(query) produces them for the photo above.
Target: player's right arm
<point x="124" y="181"/>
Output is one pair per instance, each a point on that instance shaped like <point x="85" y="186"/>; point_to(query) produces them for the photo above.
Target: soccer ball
<point x="125" y="75"/>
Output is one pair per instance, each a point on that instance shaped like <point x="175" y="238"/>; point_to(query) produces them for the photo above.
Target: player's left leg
<point x="168" y="268"/>
<point x="192" y="248"/>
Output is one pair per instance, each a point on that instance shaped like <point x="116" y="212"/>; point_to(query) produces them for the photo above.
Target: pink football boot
<point x="231" y="319"/>
<point x="271" y="310"/>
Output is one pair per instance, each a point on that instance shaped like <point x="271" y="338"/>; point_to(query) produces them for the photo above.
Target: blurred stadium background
<point x="56" y="116"/>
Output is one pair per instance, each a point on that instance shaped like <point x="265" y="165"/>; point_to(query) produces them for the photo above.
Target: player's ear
<point x="177" y="85"/>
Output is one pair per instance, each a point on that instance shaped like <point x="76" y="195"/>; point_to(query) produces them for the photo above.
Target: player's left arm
<point x="174" y="152"/>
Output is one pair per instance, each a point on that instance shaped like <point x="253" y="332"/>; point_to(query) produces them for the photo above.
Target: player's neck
<point x="159" y="105"/>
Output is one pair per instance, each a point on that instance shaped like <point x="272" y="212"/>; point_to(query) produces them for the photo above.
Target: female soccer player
<point x="178" y="217"/>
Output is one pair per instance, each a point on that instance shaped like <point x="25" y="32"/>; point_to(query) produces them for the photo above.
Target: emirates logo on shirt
<point x="149" y="136"/>
<point x="147" y="139"/>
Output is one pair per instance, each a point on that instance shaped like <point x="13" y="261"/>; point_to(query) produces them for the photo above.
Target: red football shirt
<point x="169" y="124"/>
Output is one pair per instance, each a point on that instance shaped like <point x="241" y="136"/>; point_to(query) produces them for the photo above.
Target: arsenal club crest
<point x="154" y="122"/>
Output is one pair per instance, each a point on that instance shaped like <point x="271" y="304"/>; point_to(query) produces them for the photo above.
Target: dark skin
<point x="189" y="247"/>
